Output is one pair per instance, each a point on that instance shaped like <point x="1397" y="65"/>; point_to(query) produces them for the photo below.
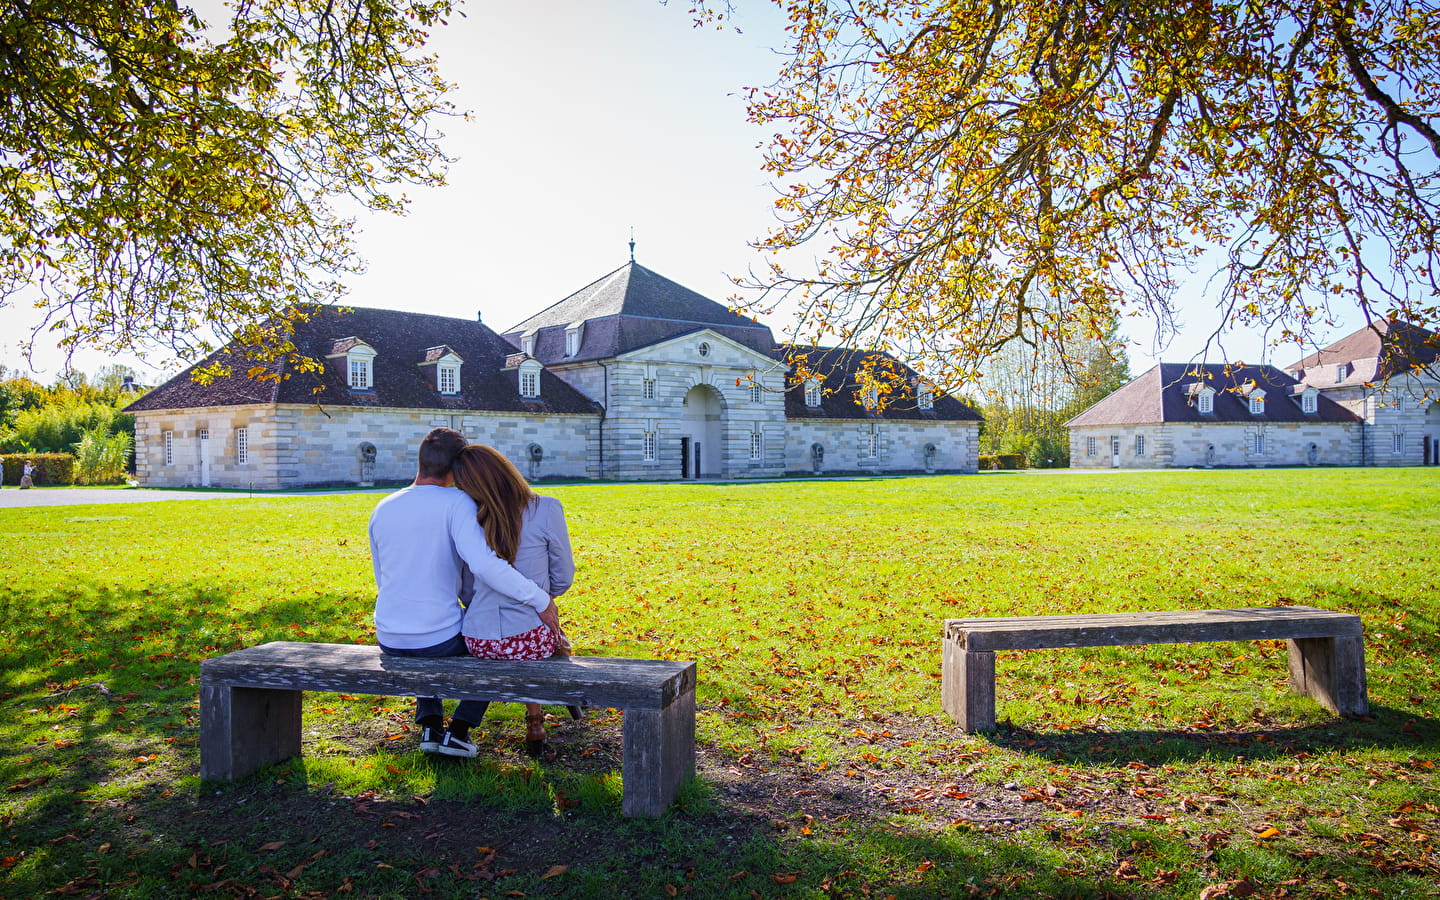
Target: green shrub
<point x="50" y="468"/>
<point x="58" y="427"/>
<point x="102" y="458"/>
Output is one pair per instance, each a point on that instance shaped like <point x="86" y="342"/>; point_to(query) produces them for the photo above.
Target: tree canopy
<point x="163" y="178"/>
<point x="971" y="173"/>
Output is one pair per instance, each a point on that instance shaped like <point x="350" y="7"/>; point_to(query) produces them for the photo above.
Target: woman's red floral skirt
<point x="537" y="643"/>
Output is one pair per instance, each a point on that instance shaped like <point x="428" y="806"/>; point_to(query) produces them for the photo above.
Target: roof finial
<point x="632" y="243"/>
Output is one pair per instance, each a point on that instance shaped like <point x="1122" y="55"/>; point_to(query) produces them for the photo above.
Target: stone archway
<point x="702" y="427"/>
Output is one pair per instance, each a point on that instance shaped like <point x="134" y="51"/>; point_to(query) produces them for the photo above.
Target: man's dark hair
<point x="438" y="451"/>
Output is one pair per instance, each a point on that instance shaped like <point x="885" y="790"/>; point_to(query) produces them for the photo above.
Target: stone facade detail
<point x="306" y="446"/>
<point x="1217" y="445"/>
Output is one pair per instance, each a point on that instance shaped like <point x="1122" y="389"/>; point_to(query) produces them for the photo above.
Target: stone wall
<point x="848" y="446"/>
<point x="301" y="445"/>
<point x="1222" y="444"/>
<point x="1400" y="416"/>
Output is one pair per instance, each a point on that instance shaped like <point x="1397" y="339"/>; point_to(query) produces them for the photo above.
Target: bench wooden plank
<point x="1177" y="627"/>
<point x="1326" y="649"/>
<point x="360" y="669"/>
<point x="250" y="703"/>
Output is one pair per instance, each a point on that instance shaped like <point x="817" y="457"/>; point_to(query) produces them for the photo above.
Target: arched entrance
<point x="702" y="433"/>
<point x="1432" y="431"/>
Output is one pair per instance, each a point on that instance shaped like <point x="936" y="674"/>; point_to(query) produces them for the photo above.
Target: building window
<point x="203" y="434"/>
<point x="527" y="344"/>
<point x="169" y="444"/>
<point x="360" y="374"/>
<point x="649" y="446"/>
<point x="756" y="393"/>
<point x="1207" y="403"/>
<point x="1397" y="442"/>
<point x="1139" y="445"/>
<point x="1090" y="446"/>
<point x="647" y="389"/>
<point x="1257" y="403"/>
<point x="1308" y="402"/>
<point x="703" y="349"/>
<point x="812" y="393"/>
<point x="924" y="396"/>
<point x="242" y="445"/>
<point x="757" y="445"/>
<point x="1259" y="443"/>
<point x="1341" y="371"/>
<point x="873" y="442"/>
<point x="448" y="379"/>
<point x="530" y="379"/>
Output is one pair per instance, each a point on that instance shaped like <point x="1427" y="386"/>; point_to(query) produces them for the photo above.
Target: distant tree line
<point x="1030" y="392"/>
<point x="77" y="414"/>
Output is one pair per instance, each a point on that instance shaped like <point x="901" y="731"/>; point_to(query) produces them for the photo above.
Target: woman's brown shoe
<point x="535" y="733"/>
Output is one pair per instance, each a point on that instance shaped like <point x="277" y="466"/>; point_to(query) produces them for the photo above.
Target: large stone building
<point x="1369" y="399"/>
<point x="1389" y="376"/>
<point x="632" y="377"/>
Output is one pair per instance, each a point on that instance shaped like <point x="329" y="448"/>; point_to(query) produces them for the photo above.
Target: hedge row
<point x="50" y="468"/>
<point x="1002" y="461"/>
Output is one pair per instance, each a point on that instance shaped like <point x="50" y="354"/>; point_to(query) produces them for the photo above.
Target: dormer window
<point x="924" y="395"/>
<point x="1257" y="402"/>
<point x="441" y="366"/>
<point x="530" y="379"/>
<point x="812" y="393"/>
<point x="1205" y="401"/>
<point x="573" y="334"/>
<point x="360" y="375"/>
<point x="1309" y="401"/>
<point x="871" y="397"/>
<point x="1342" y="371"/>
<point x="448" y="378"/>
<point x="357" y="360"/>
<point x="527" y="344"/>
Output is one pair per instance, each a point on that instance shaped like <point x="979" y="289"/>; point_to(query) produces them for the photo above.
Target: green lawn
<point x="827" y="769"/>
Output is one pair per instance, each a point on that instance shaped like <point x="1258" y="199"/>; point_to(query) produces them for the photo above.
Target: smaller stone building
<point x="1204" y="415"/>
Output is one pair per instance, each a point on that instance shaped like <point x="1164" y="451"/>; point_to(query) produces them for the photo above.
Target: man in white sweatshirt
<point x="421" y="540"/>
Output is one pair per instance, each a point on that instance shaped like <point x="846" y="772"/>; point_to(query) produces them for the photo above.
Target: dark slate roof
<point x="1163" y="395"/>
<point x="629" y="308"/>
<point x="1384" y="350"/>
<point x="840" y="367"/>
<point x="400" y="340"/>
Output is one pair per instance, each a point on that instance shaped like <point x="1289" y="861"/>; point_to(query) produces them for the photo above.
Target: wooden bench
<point x="1326" y="649"/>
<point x="250" y="703"/>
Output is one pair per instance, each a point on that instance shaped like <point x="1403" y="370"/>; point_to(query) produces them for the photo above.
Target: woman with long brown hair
<point x="528" y="531"/>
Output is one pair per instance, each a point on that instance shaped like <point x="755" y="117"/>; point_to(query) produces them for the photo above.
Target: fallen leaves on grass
<point x="1240" y="888"/>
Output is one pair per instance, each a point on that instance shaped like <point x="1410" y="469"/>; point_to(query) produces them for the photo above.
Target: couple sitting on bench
<point x="473" y="571"/>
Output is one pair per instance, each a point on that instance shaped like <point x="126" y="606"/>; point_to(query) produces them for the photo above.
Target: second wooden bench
<point x="1326" y="649"/>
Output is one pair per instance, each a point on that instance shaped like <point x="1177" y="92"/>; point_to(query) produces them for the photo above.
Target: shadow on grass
<point x="1385" y="729"/>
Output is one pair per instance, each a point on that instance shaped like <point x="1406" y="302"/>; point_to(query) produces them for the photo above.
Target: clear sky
<point x="591" y="117"/>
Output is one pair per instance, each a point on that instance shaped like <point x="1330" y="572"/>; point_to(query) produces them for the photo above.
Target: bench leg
<point x="245" y="729"/>
<point x="967" y="686"/>
<point x="659" y="755"/>
<point x="1331" y="670"/>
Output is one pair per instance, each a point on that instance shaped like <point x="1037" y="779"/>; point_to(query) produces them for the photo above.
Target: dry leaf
<point x="273" y="845"/>
<point x="553" y="871"/>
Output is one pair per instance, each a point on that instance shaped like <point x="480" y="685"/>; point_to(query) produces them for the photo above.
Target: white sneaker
<point x="429" y="740"/>
<point x="450" y="745"/>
